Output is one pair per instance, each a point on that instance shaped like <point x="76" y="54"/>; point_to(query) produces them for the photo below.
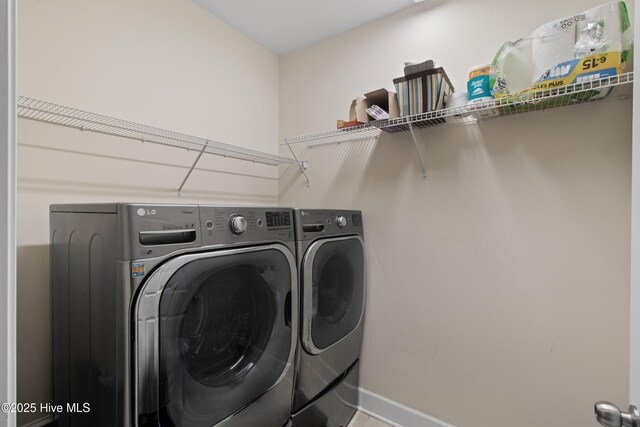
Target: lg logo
<point x="143" y="212"/>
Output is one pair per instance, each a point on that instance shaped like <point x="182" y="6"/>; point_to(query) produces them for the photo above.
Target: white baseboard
<point x="40" y="422"/>
<point x="395" y="413"/>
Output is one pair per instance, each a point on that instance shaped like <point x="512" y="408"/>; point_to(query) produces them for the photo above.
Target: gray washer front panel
<point x="96" y="254"/>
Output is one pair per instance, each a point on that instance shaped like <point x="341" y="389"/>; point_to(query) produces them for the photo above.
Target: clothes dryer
<point x="173" y="315"/>
<point x="332" y="283"/>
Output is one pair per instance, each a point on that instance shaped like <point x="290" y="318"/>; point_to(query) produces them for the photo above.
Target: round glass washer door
<point x="226" y="324"/>
<point x="333" y="294"/>
<point x="224" y="335"/>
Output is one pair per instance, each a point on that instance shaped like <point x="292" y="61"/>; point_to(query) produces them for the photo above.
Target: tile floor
<point x="363" y="420"/>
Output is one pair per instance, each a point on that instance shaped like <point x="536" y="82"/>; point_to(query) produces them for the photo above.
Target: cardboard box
<point x="358" y="110"/>
<point x="384" y="99"/>
<point x="341" y="124"/>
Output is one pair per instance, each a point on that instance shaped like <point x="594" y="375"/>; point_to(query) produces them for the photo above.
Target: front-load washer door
<point x="334" y="289"/>
<point x="213" y="334"/>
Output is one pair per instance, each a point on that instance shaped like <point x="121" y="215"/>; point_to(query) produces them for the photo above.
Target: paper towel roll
<point x="479" y="84"/>
<point x="601" y="30"/>
<point x="457" y="103"/>
<point x="552" y="44"/>
<point x="456" y="99"/>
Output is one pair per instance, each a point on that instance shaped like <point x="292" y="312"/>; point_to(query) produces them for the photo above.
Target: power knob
<point x="341" y="221"/>
<point x="237" y="224"/>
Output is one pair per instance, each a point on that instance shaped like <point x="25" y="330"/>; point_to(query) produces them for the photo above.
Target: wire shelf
<point x="353" y="133"/>
<point x="577" y="93"/>
<point x="43" y="111"/>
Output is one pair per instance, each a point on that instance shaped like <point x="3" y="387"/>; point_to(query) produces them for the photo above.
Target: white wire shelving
<point x="597" y="89"/>
<point x="48" y="112"/>
<point x="577" y="93"/>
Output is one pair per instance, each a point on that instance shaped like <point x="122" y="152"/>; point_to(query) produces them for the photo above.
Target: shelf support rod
<point x="415" y="142"/>
<point x="302" y="165"/>
<point x="184" y="181"/>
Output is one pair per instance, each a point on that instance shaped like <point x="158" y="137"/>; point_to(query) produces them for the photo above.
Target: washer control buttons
<point x="260" y="222"/>
<point x="208" y="224"/>
<point x="278" y="219"/>
<point x="237" y="224"/>
<point x="341" y="221"/>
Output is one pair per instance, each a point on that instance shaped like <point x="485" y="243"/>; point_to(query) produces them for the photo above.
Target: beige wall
<point x="167" y="63"/>
<point x="498" y="287"/>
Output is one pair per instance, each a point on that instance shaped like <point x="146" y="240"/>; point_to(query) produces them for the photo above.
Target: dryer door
<point x="334" y="289"/>
<point x="213" y="334"/>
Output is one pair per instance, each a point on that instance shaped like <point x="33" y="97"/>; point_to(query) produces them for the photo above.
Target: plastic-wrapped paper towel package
<point x="591" y="45"/>
<point x="552" y="44"/>
<point x="603" y="29"/>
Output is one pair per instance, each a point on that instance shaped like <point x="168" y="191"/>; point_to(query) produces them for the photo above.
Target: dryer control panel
<point x="312" y="223"/>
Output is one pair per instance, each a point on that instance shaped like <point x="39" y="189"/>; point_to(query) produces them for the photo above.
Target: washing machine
<point x="173" y="315"/>
<point x="332" y="283"/>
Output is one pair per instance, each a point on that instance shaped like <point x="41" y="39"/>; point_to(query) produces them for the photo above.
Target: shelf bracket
<point x="303" y="165"/>
<point x="415" y="142"/>
<point x="184" y="181"/>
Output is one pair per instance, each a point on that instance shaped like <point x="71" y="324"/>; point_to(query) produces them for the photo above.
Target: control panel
<point x="154" y="230"/>
<point x="356" y="218"/>
<point x="222" y="225"/>
<point x="311" y="223"/>
<point x="278" y="219"/>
